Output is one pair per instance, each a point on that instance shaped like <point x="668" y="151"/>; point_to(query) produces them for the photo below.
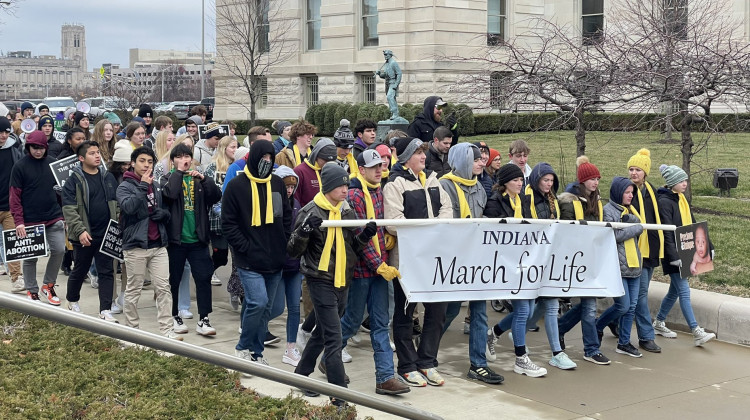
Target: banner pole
<point x="508" y="220"/>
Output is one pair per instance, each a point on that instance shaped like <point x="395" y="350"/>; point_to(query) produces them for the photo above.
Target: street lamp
<point x="203" y="49"/>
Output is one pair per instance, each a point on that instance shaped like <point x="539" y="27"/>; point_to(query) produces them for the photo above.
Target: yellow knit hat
<point x="642" y="160"/>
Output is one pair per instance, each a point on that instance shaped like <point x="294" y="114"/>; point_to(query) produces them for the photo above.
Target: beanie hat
<point x="46" y="119"/>
<point x="5" y="125"/>
<point x="493" y="154"/>
<point x="68" y="112"/>
<point x="508" y="172"/>
<point x="145" y="111"/>
<point x="586" y="170"/>
<point x="642" y="160"/>
<point x="79" y="116"/>
<point x="618" y="187"/>
<point x="241" y="152"/>
<point x="122" y="153"/>
<point x="332" y="176"/>
<point x="383" y="150"/>
<point x="289" y="180"/>
<point x="138" y="120"/>
<point x="112" y="117"/>
<point x="36" y="138"/>
<point x="214" y="130"/>
<point x="672" y="174"/>
<point x="405" y="148"/>
<point x="194" y="120"/>
<point x="343" y="137"/>
<point x="281" y="125"/>
<point x="25" y="106"/>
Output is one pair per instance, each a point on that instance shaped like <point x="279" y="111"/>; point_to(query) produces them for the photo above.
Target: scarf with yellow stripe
<point x="530" y="194"/>
<point x="297" y="156"/>
<point x="684" y="207"/>
<point x="256" y="198"/>
<point x="353" y="167"/>
<point x="463" y="204"/>
<point x="334" y="234"/>
<point x="578" y="208"/>
<point x="515" y="204"/>
<point x="369" y="207"/>
<point x="631" y="252"/>
<point x="315" y="168"/>
<point x="643" y="242"/>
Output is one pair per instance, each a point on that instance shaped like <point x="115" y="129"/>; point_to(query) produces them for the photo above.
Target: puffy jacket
<point x="437" y="162"/>
<point x="498" y="206"/>
<point x="286" y="157"/>
<point x="291" y="264"/>
<point x="75" y="200"/>
<point x="206" y="195"/>
<point x="613" y="213"/>
<point x="424" y="125"/>
<point x="567" y="209"/>
<point x="132" y="196"/>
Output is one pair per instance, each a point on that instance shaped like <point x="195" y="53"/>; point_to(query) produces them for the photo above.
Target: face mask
<point x="264" y="168"/>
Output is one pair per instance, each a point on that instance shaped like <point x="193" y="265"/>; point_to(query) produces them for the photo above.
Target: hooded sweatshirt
<point x="424" y="125"/>
<point x="541" y="202"/>
<point x="203" y="154"/>
<point x="261" y="249"/>
<point x="308" y="186"/>
<point x="461" y="159"/>
<point x="9" y="155"/>
<point x="32" y="197"/>
<point x="613" y="212"/>
<point x="291" y="264"/>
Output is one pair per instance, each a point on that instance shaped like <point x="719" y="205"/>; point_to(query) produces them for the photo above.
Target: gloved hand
<point x="389" y="273"/>
<point x="676" y="263"/>
<point x="311" y="223"/>
<point x="629" y="218"/>
<point x="368" y="232"/>
<point x="390" y="241"/>
<point x="159" y="215"/>
<point x="451" y="122"/>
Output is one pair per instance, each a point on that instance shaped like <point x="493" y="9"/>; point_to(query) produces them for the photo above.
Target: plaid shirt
<point x="369" y="262"/>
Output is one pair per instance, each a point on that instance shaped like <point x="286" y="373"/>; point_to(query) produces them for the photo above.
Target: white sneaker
<point x="393" y="345"/>
<point x="244" y="355"/>
<point x="524" y="366"/>
<point x="73" y="306"/>
<point x="302" y="338"/>
<point x="171" y="334"/>
<point x="94" y="280"/>
<point x="355" y="339"/>
<point x="661" y="329"/>
<point x="467" y="327"/>
<point x="215" y="281"/>
<point x="345" y="356"/>
<point x="490" y="350"/>
<point x="107" y="316"/>
<point x="116" y="309"/>
<point x="18" y="286"/>
<point x="204" y="327"/>
<point x="185" y="314"/>
<point x="291" y="356"/>
<point x="701" y="337"/>
<point x="178" y="326"/>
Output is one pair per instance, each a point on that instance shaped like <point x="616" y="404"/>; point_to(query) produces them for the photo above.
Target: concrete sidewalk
<point x="683" y="382"/>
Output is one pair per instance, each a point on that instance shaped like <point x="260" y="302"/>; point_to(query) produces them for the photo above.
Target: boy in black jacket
<point x="189" y="196"/>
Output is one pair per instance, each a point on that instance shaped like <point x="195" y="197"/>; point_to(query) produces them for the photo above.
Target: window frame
<point x="368" y="88"/>
<point x="364" y="18"/>
<point x="592" y="38"/>
<point x="308" y="21"/>
<point x="495" y="39"/>
<point x="312" y="92"/>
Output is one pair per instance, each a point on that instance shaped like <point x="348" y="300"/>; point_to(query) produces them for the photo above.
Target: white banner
<point x="441" y="263"/>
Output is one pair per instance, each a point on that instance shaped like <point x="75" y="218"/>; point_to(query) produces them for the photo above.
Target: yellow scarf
<point x="315" y="168"/>
<point x="188" y="193"/>
<point x="393" y="160"/>
<point x="422" y="178"/>
<point x="578" y="208"/>
<point x="515" y="204"/>
<point x="256" y="198"/>
<point x="530" y="193"/>
<point x="643" y="242"/>
<point x="687" y="218"/>
<point x="631" y="252"/>
<point x="334" y="233"/>
<point x="385" y="174"/>
<point x="463" y="204"/>
<point x="353" y="167"/>
<point x="297" y="156"/>
<point x="370" y="208"/>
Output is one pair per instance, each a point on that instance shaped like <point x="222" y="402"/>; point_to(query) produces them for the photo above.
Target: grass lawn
<point x="52" y="371"/>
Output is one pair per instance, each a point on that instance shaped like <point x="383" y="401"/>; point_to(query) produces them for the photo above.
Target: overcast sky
<point x="112" y="27"/>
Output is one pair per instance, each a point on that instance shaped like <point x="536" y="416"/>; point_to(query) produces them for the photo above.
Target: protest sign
<point x="59" y="136"/>
<point x="693" y="249"/>
<point x="505" y="261"/>
<point x="34" y="245"/>
<point x="112" y="243"/>
<point x="63" y="169"/>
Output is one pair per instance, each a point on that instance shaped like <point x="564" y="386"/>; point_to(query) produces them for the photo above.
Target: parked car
<point x="59" y="103"/>
<point x="107" y="103"/>
<point x="209" y="104"/>
<point x="181" y="110"/>
<point x="13" y="105"/>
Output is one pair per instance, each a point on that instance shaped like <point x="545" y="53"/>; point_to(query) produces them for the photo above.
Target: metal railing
<point x="155" y="341"/>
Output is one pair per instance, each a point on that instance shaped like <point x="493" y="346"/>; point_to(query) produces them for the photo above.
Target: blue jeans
<point x="372" y="291"/>
<point x="585" y="313"/>
<point x="678" y="288"/>
<point x="623" y="308"/>
<point x="477" y="329"/>
<point x="289" y="291"/>
<point x="516" y="321"/>
<point x="642" y="314"/>
<point x="257" y="309"/>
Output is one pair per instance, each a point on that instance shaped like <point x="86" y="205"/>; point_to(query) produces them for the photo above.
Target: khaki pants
<point x="156" y="262"/>
<point x="6" y="220"/>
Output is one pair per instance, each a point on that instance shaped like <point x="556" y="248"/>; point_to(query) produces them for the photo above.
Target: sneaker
<point x="18" y="286"/>
<point x="254" y="358"/>
<point x="649" y="345"/>
<point x="171" y="334"/>
<point x="701" y="337"/>
<point x="510" y="337"/>
<point x="628" y="349"/>
<point x="661" y="329"/>
<point x="204" y="327"/>
<point x="598" y="359"/>
<point x="235" y="302"/>
<point x="291" y="356"/>
<point x="391" y="387"/>
<point x="106" y="315"/>
<point x="178" y="326"/>
<point x="146" y="282"/>
<point x="215" y="281"/>
<point x="94" y="280"/>
<point x="393" y="345"/>
<point x="345" y="356"/>
<point x="491" y="340"/>
<point x="322" y="369"/>
<point x="49" y="292"/>
<point x="467" y="327"/>
<point x="366" y="325"/>
<point x="524" y="366"/>
<point x="432" y="376"/>
<point x="32" y="296"/>
<point x="185" y="314"/>
<point x="355" y="339"/>
<point x="115" y="308"/>
<point x="270" y="339"/>
<point x="73" y="306"/>
<point x="244" y="355"/>
<point x="414" y="378"/>
<point x="302" y="338"/>
<point x="562" y="361"/>
<point x="484" y="374"/>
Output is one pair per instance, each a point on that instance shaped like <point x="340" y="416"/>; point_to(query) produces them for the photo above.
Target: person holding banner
<point x="47" y="126"/>
<point x="675" y="210"/>
<point x="583" y="202"/>
<point x="508" y="201"/>
<point x="469" y="199"/>
<point x="10" y="153"/>
<point x="89" y="202"/>
<point x="414" y="193"/>
<point x="33" y="201"/>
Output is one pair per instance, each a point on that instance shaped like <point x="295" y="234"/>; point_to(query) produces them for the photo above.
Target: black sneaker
<point x="366" y="325"/>
<point x="270" y="339"/>
<point x="649" y="346"/>
<point x="562" y="342"/>
<point x="484" y="374"/>
<point x="628" y="349"/>
<point x="598" y="359"/>
<point x="322" y="369"/>
<point x="614" y="328"/>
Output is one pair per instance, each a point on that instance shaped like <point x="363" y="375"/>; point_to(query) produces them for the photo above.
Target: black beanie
<point x="79" y="116"/>
<point x="5" y="125"/>
<point x="508" y="172"/>
<point x="145" y="111"/>
<point x="332" y="176"/>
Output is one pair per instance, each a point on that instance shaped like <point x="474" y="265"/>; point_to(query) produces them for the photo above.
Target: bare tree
<point x="252" y="38"/>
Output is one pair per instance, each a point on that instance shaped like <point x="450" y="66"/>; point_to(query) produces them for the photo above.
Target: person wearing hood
<point x="47" y="126"/>
<point x="518" y="152"/>
<point x="424" y="125"/>
<point x="283" y="128"/>
<point x="145" y="112"/>
<point x="33" y="201"/>
<point x="365" y="131"/>
<point x="675" y="210"/>
<point x="583" y="204"/>
<point x="10" y="153"/>
<point x="89" y="199"/>
<point x="240" y="159"/>
<point x="191" y="127"/>
<point x="469" y="200"/>
<point x="189" y="196"/>
<point x="42" y="110"/>
<point x="309" y="170"/>
<point x="256" y="218"/>
<point x="437" y="153"/>
<point x="206" y="147"/>
<point x="344" y="141"/>
<point x="620" y="209"/>
<point x="300" y="135"/>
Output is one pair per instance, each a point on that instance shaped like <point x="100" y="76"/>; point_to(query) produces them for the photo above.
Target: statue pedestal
<point x="387" y="125"/>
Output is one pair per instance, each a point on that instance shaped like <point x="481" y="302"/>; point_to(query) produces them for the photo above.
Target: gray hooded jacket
<point x="461" y="160"/>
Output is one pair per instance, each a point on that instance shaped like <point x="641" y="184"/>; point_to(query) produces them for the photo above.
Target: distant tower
<point x="74" y="44"/>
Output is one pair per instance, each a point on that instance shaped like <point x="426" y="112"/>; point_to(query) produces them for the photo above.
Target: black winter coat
<point x="498" y="206"/>
<point x="435" y="163"/>
<point x="206" y="195"/>
<point x="669" y="210"/>
<point x="424" y="125"/>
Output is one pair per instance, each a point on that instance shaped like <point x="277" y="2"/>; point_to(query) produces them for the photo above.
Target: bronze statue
<point x="391" y="72"/>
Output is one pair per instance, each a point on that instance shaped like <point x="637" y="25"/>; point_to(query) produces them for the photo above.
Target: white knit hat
<point x="122" y="153"/>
